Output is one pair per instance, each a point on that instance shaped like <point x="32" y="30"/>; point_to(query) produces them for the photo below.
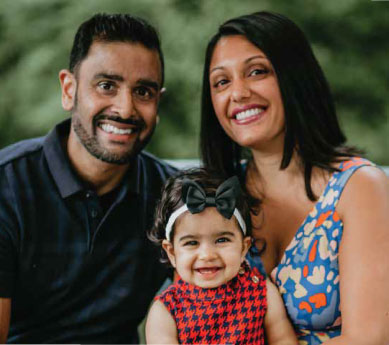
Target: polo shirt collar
<point x="65" y="177"/>
<point x="57" y="159"/>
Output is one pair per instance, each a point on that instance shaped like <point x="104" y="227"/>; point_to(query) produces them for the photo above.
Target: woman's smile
<point x="248" y="114"/>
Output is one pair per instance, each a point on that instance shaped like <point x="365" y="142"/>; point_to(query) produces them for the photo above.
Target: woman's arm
<point x="364" y="259"/>
<point x="5" y="313"/>
<point x="278" y="328"/>
<point x="160" y="326"/>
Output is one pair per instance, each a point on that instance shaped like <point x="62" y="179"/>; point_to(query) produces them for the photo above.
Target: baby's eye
<point x="223" y="240"/>
<point x="190" y="243"/>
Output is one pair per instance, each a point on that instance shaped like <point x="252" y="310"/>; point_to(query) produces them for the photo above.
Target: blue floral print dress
<point x="308" y="274"/>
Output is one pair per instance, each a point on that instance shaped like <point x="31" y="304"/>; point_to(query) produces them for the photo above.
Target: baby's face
<point x="207" y="249"/>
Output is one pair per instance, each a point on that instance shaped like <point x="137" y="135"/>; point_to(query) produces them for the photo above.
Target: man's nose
<point x="124" y="104"/>
<point x="239" y="90"/>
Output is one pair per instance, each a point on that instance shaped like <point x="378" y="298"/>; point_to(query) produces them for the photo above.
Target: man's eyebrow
<point x="149" y="83"/>
<point x="143" y="82"/>
<point x="116" y="77"/>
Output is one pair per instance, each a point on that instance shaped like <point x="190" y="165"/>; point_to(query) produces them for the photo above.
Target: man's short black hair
<point x="113" y="28"/>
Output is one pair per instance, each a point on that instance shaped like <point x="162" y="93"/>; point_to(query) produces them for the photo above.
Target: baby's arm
<point x="160" y="326"/>
<point x="278" y="328"/>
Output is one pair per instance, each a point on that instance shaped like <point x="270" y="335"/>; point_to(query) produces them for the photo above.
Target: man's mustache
<point x="138" y="122"/>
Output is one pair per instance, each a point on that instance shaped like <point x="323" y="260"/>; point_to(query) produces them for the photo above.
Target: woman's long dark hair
<point x="311" y="125"/>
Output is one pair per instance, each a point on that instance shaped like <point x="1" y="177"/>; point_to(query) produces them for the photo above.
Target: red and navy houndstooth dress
<point x="232" y="313"/>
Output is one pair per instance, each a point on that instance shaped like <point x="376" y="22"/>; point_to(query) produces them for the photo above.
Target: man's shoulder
<point x="154" y="163"/>
<point x="20" y="149"/>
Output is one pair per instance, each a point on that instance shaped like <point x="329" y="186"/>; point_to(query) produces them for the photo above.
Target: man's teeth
<point x="248" y="113"/>
<point x="112" y="129"/>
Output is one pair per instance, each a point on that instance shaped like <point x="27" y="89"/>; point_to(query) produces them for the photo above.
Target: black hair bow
<point x="195" y="198"/>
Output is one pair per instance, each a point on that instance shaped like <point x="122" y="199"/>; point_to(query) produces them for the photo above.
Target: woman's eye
<point x="220" y="83"/>
<point x="259" y="71"/>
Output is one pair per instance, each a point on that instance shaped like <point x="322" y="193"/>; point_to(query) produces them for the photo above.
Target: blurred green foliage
<point x="349" y="38"/>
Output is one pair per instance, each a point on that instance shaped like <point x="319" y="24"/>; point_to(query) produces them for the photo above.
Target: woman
<point x="323" y="225"/>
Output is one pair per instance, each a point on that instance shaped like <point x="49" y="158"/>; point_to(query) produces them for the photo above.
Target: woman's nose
<point x="239" y="90"/>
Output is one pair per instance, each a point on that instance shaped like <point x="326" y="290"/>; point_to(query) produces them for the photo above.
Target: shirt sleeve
<point x="7" y="263"/>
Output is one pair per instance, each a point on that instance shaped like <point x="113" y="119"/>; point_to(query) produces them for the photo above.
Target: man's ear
<point x="161" y="92"/>
<point x="69" y="86"/>
<point x="169" y="249"/>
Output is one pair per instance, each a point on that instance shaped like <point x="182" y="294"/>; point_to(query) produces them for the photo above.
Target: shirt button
<point x="88" y="194"/>
<point x="255" y="279"/>
<point x="94" y="213"/>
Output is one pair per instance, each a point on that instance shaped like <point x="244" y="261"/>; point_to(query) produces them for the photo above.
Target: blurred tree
<point x="348" y="36"/>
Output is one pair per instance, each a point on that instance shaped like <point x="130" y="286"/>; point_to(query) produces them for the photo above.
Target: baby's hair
<point x="171" y="201"/>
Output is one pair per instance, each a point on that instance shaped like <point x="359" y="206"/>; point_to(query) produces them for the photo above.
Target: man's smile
<point x="113" y="129"/>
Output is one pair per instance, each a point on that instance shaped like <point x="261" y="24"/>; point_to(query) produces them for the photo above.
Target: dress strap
<point x="339" y="180"/>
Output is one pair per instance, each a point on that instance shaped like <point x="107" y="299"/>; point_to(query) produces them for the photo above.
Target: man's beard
<point x="93" y="146"/>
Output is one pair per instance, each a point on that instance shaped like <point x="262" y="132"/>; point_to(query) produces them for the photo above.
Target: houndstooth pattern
<point x="229" y="314"/>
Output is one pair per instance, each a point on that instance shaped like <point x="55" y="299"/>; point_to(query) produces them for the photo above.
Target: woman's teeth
<point x="248" y="113"/>
<point x="112" y="129"/>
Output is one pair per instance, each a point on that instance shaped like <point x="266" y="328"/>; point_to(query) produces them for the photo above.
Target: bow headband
<point x="195" y="200"/>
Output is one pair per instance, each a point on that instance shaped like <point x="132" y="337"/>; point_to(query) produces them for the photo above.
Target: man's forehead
<point x="122" y="57"/>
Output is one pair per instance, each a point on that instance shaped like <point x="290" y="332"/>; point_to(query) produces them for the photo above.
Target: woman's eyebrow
<point x="255" y="57"/>
<point x="245" y="61"/>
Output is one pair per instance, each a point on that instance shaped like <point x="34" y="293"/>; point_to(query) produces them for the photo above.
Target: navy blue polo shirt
<point x="78" y="269"/>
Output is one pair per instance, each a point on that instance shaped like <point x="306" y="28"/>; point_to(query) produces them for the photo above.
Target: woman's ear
<point x="69" y="86"/>
<point x="245" y="247"/>
<point x="169" y="249"/>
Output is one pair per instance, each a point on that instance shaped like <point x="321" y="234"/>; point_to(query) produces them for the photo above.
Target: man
<point x="75" y="263"/>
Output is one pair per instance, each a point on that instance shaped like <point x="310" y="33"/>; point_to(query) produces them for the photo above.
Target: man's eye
<point x="143" y="92"/>
<point x="106" y="86"/>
